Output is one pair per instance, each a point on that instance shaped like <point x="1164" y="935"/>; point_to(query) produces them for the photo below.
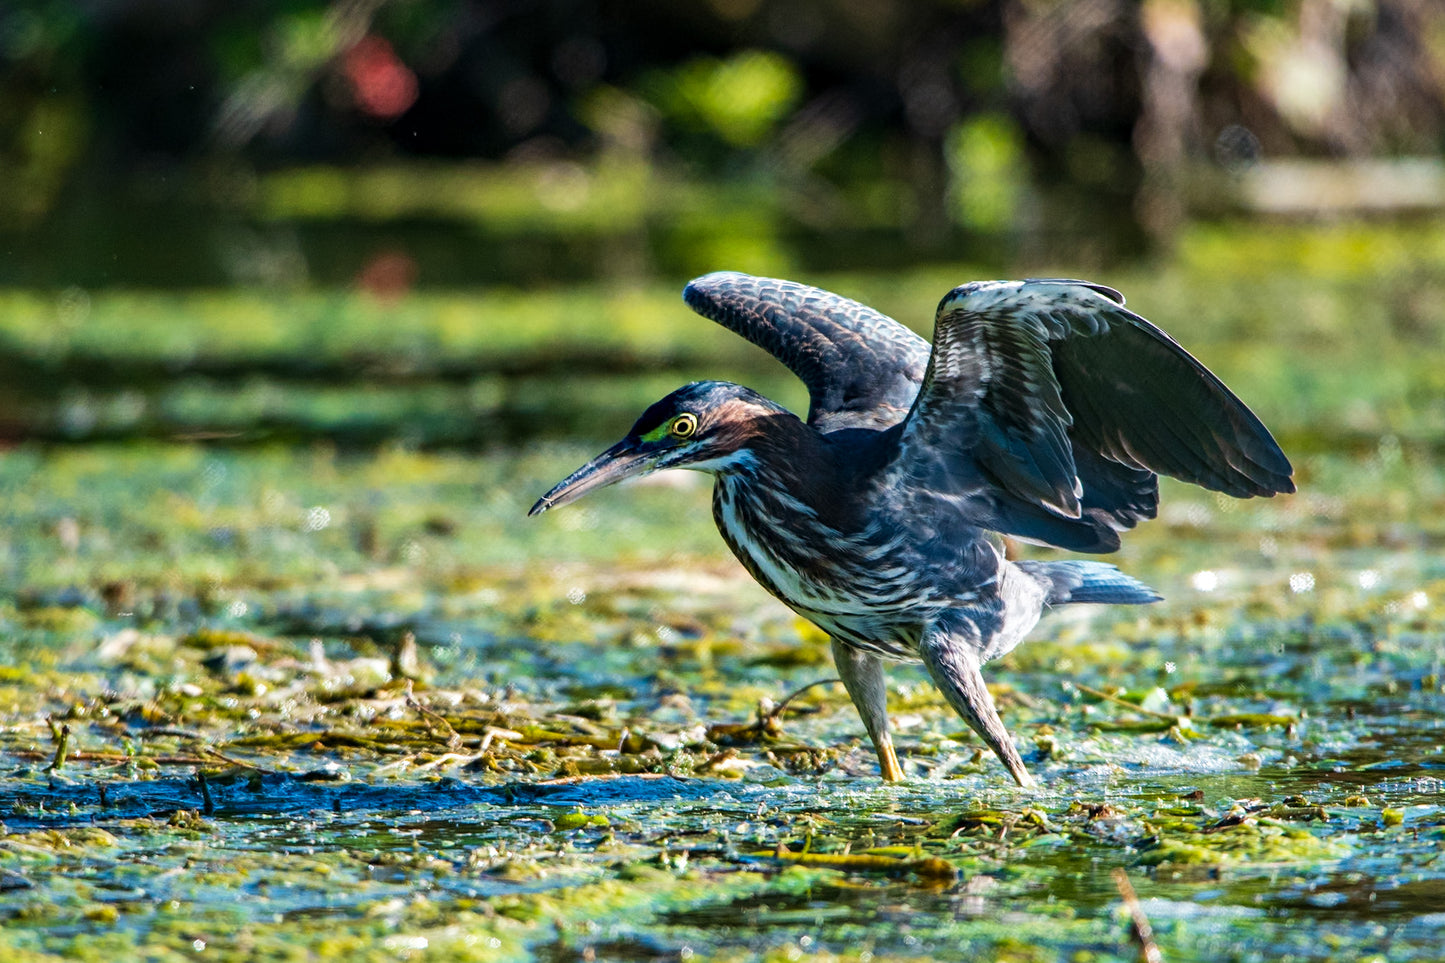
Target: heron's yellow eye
<point x="683" y="425"/>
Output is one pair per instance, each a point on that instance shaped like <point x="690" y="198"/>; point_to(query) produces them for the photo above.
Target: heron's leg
<point x="954" y="666"/>
<point x="862" y="676"/>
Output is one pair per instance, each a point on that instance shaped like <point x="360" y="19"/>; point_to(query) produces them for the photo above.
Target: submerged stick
<point x="1138" y="922"/>
<point x="210" y="804"/>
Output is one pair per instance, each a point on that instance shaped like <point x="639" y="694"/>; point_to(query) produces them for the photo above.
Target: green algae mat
<point x="286" y="674"/>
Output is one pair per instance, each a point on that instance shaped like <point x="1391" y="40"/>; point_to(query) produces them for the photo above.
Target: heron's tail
<point x="1074" y="581"/>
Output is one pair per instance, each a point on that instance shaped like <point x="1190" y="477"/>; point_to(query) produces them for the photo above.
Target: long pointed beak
<point x="620" y="461"/>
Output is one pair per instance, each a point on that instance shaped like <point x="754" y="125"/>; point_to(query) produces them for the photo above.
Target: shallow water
<point x="588" y="766"/>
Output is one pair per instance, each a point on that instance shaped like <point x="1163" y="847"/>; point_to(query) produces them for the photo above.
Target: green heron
<point x="1045" y="411"/>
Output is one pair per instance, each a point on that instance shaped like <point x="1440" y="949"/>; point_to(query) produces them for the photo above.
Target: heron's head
<point x="706" y="426"/>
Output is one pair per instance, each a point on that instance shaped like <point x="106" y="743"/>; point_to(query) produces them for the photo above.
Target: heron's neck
<point x="774" y="444"/>
<point x="783" y="456"/>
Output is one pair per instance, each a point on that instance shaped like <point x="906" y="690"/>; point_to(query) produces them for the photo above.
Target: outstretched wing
<point x="862" y="369"/>
<point x="1054" y="403"/>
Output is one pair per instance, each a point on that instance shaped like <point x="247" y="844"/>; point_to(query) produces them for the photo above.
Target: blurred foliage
<point x="739" y="100"/>
<point x="985" y="158"/>
<point x="933" y="123"/>
<point x="1285" y="312"/>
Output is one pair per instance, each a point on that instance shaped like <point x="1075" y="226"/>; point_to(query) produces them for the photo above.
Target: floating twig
<point x="782" y="707"/>
<point x="493" y="733"/>
<point x="81" y="755"/>
<point x="766" y="727"/>
<point x="448" y="759"/>
<point x="454" y="741"/>
<point x="233" y="761"/>
<point x="1100" y="694"/>
<point x="603" y="777"/>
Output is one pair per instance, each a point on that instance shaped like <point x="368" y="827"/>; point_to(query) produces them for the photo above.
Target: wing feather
<point x="1050" y="398"/>
<point x="1157" y="407"/>
<point x="862" y="369"/>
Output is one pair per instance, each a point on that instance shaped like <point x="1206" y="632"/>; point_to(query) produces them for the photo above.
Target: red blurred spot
<point x="381" y="84"/>
<point x="388" y="276"/>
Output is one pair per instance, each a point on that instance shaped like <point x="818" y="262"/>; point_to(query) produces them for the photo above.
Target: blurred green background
<point x="367" y="220"/>
<point x="200" y="143"/>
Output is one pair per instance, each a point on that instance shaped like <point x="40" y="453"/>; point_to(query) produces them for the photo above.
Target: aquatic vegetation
<point x="337" y="698"/>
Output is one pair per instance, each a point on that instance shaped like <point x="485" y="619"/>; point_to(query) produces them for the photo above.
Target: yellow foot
<point x="888" y="761"/>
